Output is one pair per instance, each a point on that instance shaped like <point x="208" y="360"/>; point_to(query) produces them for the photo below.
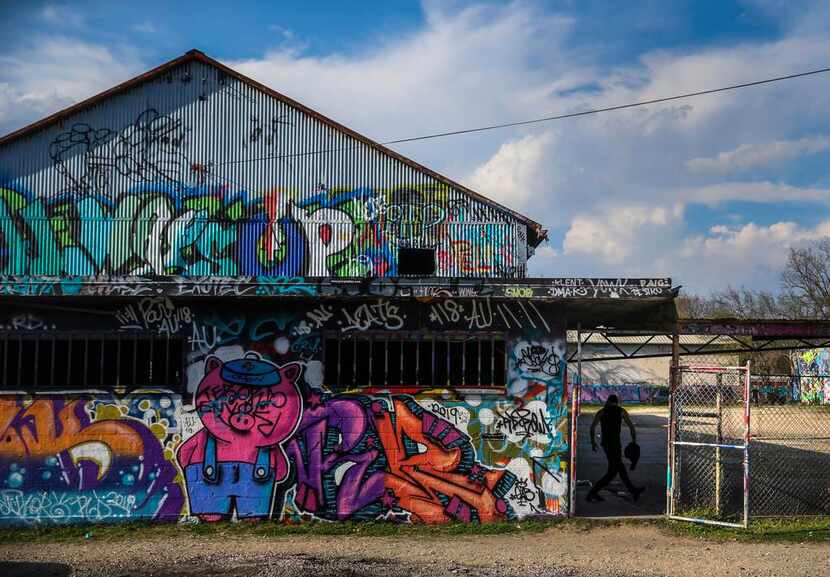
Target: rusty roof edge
<point x="95" y="99"/>
<point x="539" y="233"/>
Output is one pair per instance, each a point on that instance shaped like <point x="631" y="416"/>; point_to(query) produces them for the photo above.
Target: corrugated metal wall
<point x="197" y="173"/>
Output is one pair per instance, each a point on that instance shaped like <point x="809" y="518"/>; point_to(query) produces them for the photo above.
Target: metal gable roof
<point x="536" y="234"/>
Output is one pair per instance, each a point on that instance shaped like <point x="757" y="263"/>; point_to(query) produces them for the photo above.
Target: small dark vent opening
<point x="416" y="261"/>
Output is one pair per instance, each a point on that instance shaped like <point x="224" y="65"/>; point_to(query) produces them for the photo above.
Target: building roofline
<point x="536" y="233"/>
<point x="562" y="289"/>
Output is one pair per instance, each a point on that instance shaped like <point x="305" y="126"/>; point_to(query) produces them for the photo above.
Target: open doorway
<point x="650" y="421"/>
<point x="641" y="388"/>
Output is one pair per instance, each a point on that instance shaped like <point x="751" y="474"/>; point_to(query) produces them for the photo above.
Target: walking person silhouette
<point x="610" y="418"/>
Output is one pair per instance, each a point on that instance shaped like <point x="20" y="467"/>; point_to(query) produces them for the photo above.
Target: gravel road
<point x="608" y="551"/>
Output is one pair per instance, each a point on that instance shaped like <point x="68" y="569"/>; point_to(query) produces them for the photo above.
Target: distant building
<point x="644" y="379"/>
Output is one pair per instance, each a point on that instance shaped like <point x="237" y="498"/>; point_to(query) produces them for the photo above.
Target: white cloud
<point x="750" y="255"/>
<point x="723" y="240"/>
<point x="512" y="175"/>
<point x="51" y="73"/>
<point x="747" y="156"/>
<point x="613" y="235"/>
<point x="145" y="28"/>
<point x="62" y="15"/>
<point x="760" y="192"/>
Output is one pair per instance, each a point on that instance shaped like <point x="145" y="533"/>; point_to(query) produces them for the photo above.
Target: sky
<point x="711" y="191"/>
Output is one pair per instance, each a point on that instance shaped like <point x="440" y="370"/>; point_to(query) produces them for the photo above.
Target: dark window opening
<point x="414" y="360"/>
<point x="378" y="364"/>
<point x="409" y="355"/>
<point x="456" y="363"/>
<point x="77" y="361"/>
<point x="426" y="362"/>
<point x="363" y="355"/>
<point x="442" y="354"/>
<point x="499" y="364"/>
<point x="347" y="361"/>
<point x="416" y="261"/>
<point x="394" y="358"/>
<point x="472" y="356"/>
<point x="486" y="361"/>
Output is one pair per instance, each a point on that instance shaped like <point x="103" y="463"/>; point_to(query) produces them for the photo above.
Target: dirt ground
<point x="614" y="550"/>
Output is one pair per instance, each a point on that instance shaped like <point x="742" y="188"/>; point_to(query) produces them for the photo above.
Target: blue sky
<point x="711" y="191"/>
<point x="337" y="26"/>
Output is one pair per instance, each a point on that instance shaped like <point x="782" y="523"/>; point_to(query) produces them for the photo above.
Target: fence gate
<point x="708" y="461"/>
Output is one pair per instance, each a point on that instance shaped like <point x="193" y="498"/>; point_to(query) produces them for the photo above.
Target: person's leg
<point x="606" y="479"/>
<point x="619" y="464"/>
<point x="624" y="474"/>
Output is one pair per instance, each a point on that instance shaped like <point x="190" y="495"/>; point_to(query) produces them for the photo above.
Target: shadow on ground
<point x="26" y="569"/>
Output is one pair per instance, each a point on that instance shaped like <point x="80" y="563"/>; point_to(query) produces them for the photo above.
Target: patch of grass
<point x="120" y="532"/>
<point x="796" y="529"/>
<point x="60" y="533"/>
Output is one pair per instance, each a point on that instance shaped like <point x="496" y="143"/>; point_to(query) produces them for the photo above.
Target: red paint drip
<point x="325" y="234"/>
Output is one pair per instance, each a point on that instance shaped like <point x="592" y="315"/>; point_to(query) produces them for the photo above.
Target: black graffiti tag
<point x="523" y="422"/>
<point x="539" y="359"/>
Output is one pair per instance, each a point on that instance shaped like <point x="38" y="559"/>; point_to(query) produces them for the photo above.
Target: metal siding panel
<point x="146" y="182"/>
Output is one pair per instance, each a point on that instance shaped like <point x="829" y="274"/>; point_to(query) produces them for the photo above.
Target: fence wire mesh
<point x="708" y="432"/>
<point x="789" y="449"/>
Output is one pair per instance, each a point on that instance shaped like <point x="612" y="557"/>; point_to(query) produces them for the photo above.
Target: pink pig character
<point x="249" y="407"/>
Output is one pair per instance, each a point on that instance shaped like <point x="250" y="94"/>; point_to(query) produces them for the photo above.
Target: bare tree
<point x="693" y="306"/>
<point x="736" y="303"/>
<point x="805" y="292"/>
<point x="806" y="279"/>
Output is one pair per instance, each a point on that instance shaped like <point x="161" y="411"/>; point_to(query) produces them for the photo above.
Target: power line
<point x="552" y="118"/>
<point x="610" y="108"/>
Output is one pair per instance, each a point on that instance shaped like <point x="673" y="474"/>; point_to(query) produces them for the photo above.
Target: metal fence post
<point x="746" y="443"/>
<point x="674" y="375"/>
<point x="575" y="392"/>
<point x="718" y="471"/>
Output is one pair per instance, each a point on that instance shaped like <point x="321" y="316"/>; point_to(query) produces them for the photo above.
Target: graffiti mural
<point x="160" y="227"/>
<point x="256" y="431"/>
<point x="182" y="400"/>
<point x="812" y="382"/>
<point x="69" y="461"/>
<point x="365" y="458"/>
<point x="147" y="150"/>
<point x="598" y="394"/>
<point x="248" y="407"/>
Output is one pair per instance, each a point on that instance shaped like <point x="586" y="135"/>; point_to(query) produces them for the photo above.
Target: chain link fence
<point x="790" y="447"/>
<point x="788" y="452"/>
<point x="708" y="450"/>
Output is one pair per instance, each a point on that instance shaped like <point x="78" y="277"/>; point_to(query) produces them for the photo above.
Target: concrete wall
<point x="425" y="454"/>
